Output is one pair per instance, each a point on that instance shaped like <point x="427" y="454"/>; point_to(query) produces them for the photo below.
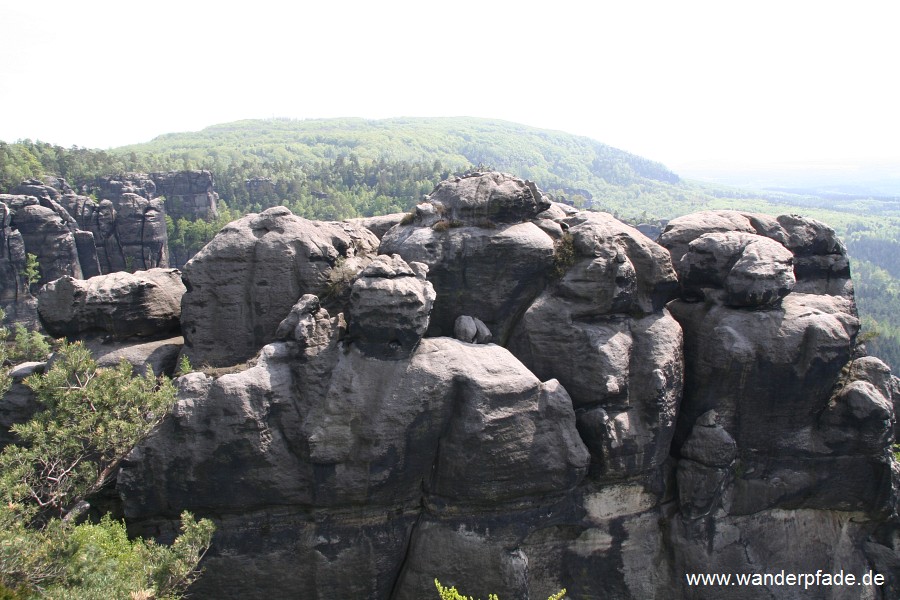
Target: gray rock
<point x="188" y="194"/>
<point x="158" y="357"/>
<point x="18" y="404"/>
<point x="15" y="297"/>
<point x="490" y="274"/>
<point x="379" y="224"/>
<point x="471" y="330"/>
<point x="45" y="235"/>
<point x="245" y="281"/>
<point x="450" y="424"/>
<point x="709" y="445"/>
<point x="821" y="265"/>
<point x="120" y="304"/>
<point x="700" y="488"/>
<point x="754" y="271"/>
<point x="491" y="197"/>
<point x="617" y="269"/>
<point x="390" y="306"/>
<point x="26" y="369"/>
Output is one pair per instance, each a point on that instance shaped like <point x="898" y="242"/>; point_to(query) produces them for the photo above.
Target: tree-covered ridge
<point x="457" y="141"/>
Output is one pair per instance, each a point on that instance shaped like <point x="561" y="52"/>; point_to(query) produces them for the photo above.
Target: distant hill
<point x="577" y="168"/>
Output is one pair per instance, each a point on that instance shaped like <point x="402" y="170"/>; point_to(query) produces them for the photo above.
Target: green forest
<point x="343" y="168"/>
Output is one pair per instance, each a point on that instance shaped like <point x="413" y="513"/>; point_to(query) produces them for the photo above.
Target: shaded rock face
<point x="45" y="234"/>
<point x="188" y="194"/>
<point x="802" y="429"/>
<point x="656" y="411"/>
<point x="18" y="404"/>
<point x="448" y="426"/>
<point x="15" y="298"/>
<point x="245" y="281"/>
<point x="120" y="304"/>
<point x="603" y="332"/>
<point x="485" y="257"/>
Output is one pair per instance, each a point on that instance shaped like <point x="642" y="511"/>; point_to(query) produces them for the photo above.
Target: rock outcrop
<point x="443" y="424"/>
<point x="15" y="297"/>
<point x="648" y="411"/>
<point x="120" y="305"/>
<point x="188" y="194"/>
<point x="486" y="257"/>
<point x="245" y="281"/>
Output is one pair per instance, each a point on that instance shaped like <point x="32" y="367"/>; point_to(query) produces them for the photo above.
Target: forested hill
<point x="342" y="168"/>
<point x="554" y="158"/>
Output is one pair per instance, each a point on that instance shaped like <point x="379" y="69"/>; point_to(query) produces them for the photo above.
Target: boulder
<point x="753" y="270"/>
<point x="492" y="196"/>
<point x="391" y="305"/>
<point x="120" y="304"/>
<point x="157" y="357"/>
<point x="471" y="330"/>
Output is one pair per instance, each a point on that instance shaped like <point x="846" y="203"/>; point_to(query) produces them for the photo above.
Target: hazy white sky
<point x="681" y="82"/>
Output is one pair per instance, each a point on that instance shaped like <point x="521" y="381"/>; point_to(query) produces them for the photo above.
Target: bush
<point x="90" y="419"/>
<point x="452" y="594"/>
<point x="563" y="256"/>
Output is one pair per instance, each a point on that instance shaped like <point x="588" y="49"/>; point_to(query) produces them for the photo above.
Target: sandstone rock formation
<point x="485" y="256"/>
<point x="120" y="304"/>
<point x="649" y="411"/>
<point x="188" y="194"/>
<point x="15" y="297"/>
<point x="245" y="281"/>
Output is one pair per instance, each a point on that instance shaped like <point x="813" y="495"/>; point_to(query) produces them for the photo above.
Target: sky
<point x="686" y="83"/>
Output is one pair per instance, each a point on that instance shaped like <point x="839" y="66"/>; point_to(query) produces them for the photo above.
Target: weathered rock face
<point x="114" y="186"/>
<point x="485" y="257"/>
<point x="46" y="235"/>
<point x="391" y="305"/>
<point x="15" y="298"/>
<point x="654" y="415"/>
<point x="188" y="194"/>
<point x="753" y="270"/>
<point x="120" y="304"/>
<point x="443" y="425"/>
<point x="801" y="432"/>
<point x="602" y="331"/>
<point x="244" y="282"/>
<point x="821" y="265"/>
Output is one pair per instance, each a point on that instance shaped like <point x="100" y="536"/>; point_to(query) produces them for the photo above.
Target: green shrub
<point x="563" y="256"/>
<point x="90" y="419"/>
<point x="32" y="271"/>
<point x="451" y="593"/>
<point x="29" y="345"/>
